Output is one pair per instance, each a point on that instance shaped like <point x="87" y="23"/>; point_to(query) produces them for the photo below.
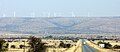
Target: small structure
<point x="102" y="45"/>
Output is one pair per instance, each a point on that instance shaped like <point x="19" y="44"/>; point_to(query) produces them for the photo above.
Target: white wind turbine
<point x="3" y="15"/>
<point x="48" y="14"/>
<point x="73" y="15"/>
<point x="88" y="15"/>
<point x="14" y="14"/>
<point x="32" y="14"/>
<point x="54" y="15"/>
<point x="60" y="14"/>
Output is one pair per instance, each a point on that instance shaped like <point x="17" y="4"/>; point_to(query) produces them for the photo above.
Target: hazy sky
<point x="60" y="7"/>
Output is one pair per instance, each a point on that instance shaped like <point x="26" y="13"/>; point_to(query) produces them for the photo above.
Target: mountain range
<point x="60" y="25"/>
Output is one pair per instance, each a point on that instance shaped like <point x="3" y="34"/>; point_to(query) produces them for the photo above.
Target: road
<point x="87" y="48"/>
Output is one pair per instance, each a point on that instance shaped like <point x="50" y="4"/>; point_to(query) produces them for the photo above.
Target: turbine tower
<point x="48" y="14"/>
<point x="73" y="15"/>
<point x="54" y="15"/>
<point x="32" y="14"/>
<point x="3" y="15"/>
<point x="88" y="14"/>
<point x="59" y="15"/>
<point x="14" y="14"/>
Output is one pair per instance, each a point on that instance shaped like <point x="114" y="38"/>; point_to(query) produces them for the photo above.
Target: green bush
<point x="116" y="47"/>
<point x="63" y="45"/>
<point x="107" y="45"/>
<point x="13" y="46"/>
<point x="36" y="44"/>
<point x="21" y="46"/>
<point x="2" y="49"/>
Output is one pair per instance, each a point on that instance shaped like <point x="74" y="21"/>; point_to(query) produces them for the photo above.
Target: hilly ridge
<point x="60" y="25"/>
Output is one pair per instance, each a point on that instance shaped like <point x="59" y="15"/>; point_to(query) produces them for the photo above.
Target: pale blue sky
<point x="65" y="7"/>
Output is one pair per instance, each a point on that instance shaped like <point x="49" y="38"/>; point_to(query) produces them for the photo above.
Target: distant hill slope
<point x="89" y="25"/>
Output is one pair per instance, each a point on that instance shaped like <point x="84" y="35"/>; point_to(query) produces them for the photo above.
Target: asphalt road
<point x="87" y="48"/>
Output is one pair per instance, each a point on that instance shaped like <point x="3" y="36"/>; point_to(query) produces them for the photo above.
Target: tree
<point x="21" y="46"/>
<point x="36" y="44"/>
<point x="64" y="45"/>
<point x="100" y="42"/>
<point x="107" y="45"/>
<point x="13" y="46"/>
<point x="7" y="45"/>
<point x="68" y="45"/>
<point x="1" y="45"/>
<point x="61" y="44"/>
<point x="116" y="46"/>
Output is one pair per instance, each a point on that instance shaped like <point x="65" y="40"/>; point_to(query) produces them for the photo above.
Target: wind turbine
<point x="14" y="14"/>
<point x="60" y="15"/>
<point x="73" y="15"/>
<point x="3" y="15"/>
<point x="88" y="14"/>
<point x="55" y="14"/>
<point x="32" y="14"/>
<point x="48" y="14"/>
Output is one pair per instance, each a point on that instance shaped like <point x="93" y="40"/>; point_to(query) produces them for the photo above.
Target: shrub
<point x="12" y="46"/>
<point x="1" y="43"/>
<point x="36" y="44"/>
<point x="116" y="47"/>
<point x="21" y="46"/>
<point x="64" y="45"/>
<point x="61" y="44"/>
<point x="68" y="45"/>
<point x="107" y="45"/>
